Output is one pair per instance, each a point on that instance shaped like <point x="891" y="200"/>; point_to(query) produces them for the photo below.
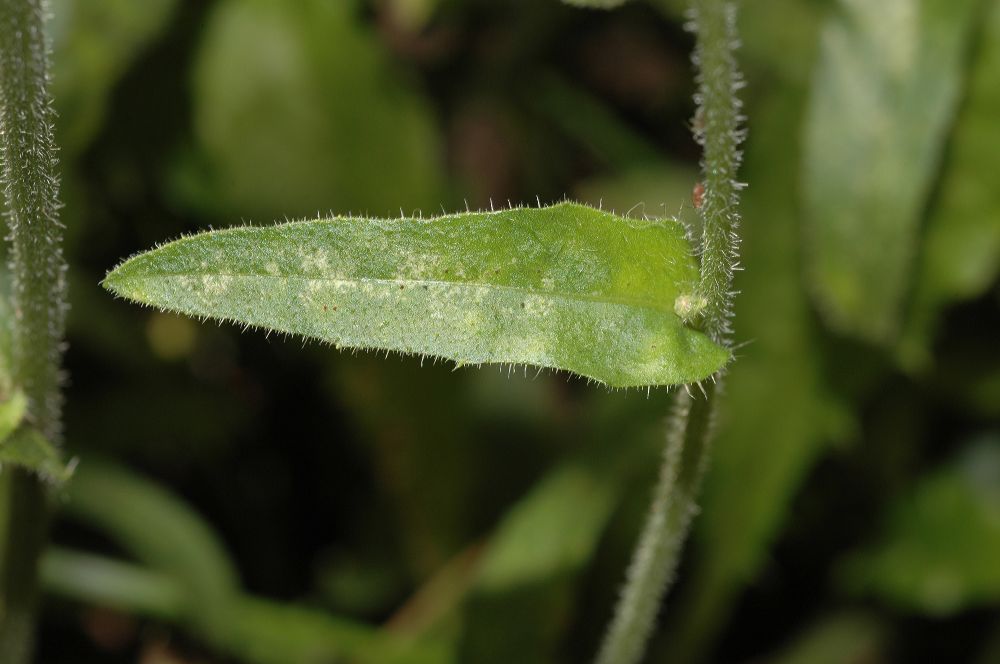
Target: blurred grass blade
<point x="884" y="94"/>
<point x="961" y="253"/>
<point x="160" y="531"/>
<point x="256" y="631"/>
<point x="111" y="583"/>
<point x="565" y="287"/>
<point x="27" y="448"/>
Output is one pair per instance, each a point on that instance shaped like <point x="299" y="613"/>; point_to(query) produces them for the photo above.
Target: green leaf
<point x="940" y="553"/>
<point x="258" y="631"/>
<point x="523" y="591"/>
<point x="111" y="583"/>
<point x="28" y="448"/>
<point x="190" y="580"/>
<point x="11" y="413"/>
<point x="596" y="4"/>
<point x="961" y="253"/>
<point x="847" y="638"/>
<point x="159" y="530"/>
<point x="883" y="97"/>
<point x="318" y="116"/>
<point x="94" y="42"/>
<point x="565" y="287"/>
<point x="571" y="501"/>
<point x="527" y="586"/>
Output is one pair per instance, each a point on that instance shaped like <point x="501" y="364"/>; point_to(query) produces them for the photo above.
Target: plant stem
<point x="37" y="295"/>
<point x="717" y="128"/>
<point x="655" y="558"/>
<point x="690" y="427"/>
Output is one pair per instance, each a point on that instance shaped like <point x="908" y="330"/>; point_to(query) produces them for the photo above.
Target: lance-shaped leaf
<point x="565" y="287"/>
<point x="884" y="93"/>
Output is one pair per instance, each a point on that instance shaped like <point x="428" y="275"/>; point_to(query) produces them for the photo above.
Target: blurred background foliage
<point x="240" y="498"/>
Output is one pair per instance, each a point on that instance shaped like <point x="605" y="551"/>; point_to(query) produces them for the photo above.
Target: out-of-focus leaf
<point x="28" y="448"/>
<point x="111" y="583"/>
<point x="256" y="631"/>
<point x="298" y="110"/>
<point x="961" y="253"/>
<point x="94" y="42"/>
<point x="596" y="4"/>
<point x="566" y="287"/>
<point x="160" y="531"/>
<point x="523" y="592"/>
<point x="586" y="120"/>
<point x="843" y="639"/>
<point x="942" y="545"/>
<point x="272" y="633"/>
<point x="571" y="502"/>
<point x="11" y="413"/>
<point x="884" y="94"/>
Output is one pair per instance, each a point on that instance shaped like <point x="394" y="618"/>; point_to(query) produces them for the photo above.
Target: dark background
<point x="852" y="512"/>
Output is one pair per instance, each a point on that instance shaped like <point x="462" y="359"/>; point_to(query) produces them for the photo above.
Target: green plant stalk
<point x="690" y="426"/>
<point x="654" y="562"/>
<point x="31" y="185"/>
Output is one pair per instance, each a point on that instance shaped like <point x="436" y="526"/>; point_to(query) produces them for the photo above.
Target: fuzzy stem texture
<point x="654" y="562"/>
<point x="717" y="128"/>
<point x="37" y="272"/>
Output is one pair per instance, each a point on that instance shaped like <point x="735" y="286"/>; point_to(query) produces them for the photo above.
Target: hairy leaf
<point x="883" y="96"/>
<point x="566" y="287"/>
<point x="28" y="448"/>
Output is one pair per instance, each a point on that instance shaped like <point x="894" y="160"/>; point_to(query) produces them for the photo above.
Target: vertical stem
<point x="654" y="561"/>
<point x="717" y="129"/>
<point x="30" y="184"/>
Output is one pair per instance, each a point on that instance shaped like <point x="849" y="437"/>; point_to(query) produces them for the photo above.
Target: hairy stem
<point x="673" y="506"/>
<point x="30" y="185"/>
<point x="717" y="129"/>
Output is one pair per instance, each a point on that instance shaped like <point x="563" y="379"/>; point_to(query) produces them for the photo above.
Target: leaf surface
<point x="297" y="107"/>
<point x="960" y="256"/>
<point x="565" y="287"/>
<point x="884" y="93"/>
<point x="939" y="554"/>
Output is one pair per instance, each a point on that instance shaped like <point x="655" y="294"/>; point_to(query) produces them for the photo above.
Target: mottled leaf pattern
<point x="565" y="287"/>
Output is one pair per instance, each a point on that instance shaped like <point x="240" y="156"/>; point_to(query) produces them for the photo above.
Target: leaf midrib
<point x="584" y="297"/>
